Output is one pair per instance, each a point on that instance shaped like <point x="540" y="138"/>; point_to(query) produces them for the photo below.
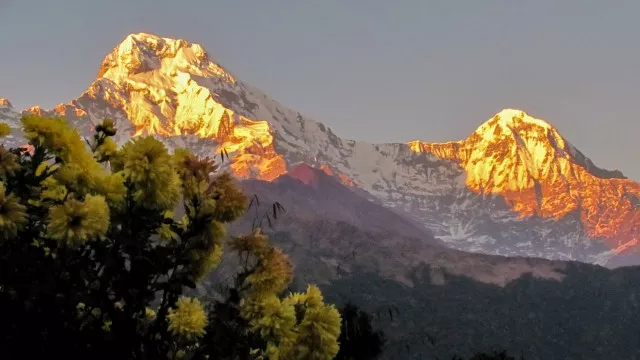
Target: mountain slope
<point x="464" y="301"/>
<point x="312" y="194"/>
<point x="326" y="217"/>
<point x="174" y="90"/>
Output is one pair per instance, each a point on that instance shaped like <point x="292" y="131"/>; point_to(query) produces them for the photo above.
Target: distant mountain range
<point x="514" y="187"/>
<point x="474" y="239"/>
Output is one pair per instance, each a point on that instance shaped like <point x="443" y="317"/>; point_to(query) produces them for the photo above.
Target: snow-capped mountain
<point x="540" y="174"/>
<point x="514" y="187"/>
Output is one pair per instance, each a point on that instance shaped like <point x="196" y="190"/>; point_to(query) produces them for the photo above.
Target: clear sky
<point x="382" y="71"/>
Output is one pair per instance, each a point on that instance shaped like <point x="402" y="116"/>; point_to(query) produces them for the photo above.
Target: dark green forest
<point x="592" y="314"/>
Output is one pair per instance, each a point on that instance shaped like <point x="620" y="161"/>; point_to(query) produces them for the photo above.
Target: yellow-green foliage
<point x="188" y="319"/>
<point x="13" y="216"/>
<point x="74" y="222"/>
<point x="98" y="223"/>
<point x="4" y="130"/>
<point x="299" y="326"/>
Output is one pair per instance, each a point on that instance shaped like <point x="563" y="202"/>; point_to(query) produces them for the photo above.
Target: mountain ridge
<point x="374" y="238"/>
<point x="171" y="89"/>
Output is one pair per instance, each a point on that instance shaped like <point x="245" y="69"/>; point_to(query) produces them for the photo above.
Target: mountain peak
<point x="507" y="133"/>
<point x="513" y="121"/>
<point x="6" y="103"/>
<point x="514" y="132"/>
<point x="164" y="86"/>
<point x="36" y="110"/>
<point x="172" y="88"/>
<point x="524" y="159"/>
<point x="142" y="53"/>
<point x="534" y="139"/>
<point x="512" y="117"/>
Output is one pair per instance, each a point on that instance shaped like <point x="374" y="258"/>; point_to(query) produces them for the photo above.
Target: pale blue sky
<point x="372" y="70"/>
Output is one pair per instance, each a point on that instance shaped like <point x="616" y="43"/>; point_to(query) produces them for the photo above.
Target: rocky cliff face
<point x="514" y="187"/>
<point x="539" y="173"/>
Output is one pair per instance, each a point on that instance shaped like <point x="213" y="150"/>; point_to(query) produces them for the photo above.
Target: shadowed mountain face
<point x="515" y="187"/>
<point x="310" y="194"/>
<point x="444" y="301"/>
<point x="331" y="231"/>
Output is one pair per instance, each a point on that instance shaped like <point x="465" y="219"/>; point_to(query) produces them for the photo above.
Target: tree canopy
<point x="99" y="246"/>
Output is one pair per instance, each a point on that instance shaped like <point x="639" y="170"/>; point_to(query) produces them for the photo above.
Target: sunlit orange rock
<point x="36" y="110"/>
<point x="68" y="109"/>
<point x="153" y="80"/>
<point x="538" y="172"/>
<point x="342" y="177"/>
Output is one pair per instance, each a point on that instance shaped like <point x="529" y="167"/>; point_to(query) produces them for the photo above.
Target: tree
<point x="358" y="340"/>
<point x="94" y="262"/>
